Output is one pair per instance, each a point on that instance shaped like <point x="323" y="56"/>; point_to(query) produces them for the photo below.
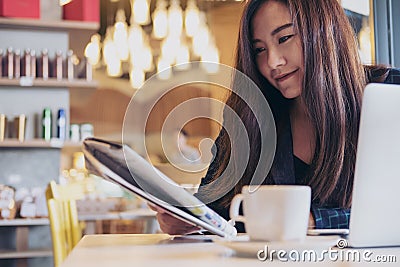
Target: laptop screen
<point x="375" y="213"/>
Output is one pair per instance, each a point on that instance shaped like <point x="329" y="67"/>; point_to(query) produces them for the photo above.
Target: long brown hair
<point x="333" y="83"/>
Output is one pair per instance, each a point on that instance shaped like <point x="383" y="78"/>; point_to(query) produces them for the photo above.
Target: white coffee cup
<point x="273" y="212"/>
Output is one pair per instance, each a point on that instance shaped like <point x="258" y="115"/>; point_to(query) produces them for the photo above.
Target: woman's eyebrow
<point x="281" y="28"/>
<point x="255" y="41"/>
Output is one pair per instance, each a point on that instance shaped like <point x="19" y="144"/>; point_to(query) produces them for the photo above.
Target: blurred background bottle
<point x="86" y="131"/>
<point x="3" y="127"/>
<point x="17" y="64"/>
<point x="75" y="135"/>
<point x="20" y="127"/>
<point x="46" y="124"/>
<point x="61" y="124"/>
<point x="9" y="63"/>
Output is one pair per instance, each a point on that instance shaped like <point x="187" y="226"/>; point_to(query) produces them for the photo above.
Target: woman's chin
<point x="288" y="90"/>
<point x="290" y="94"/>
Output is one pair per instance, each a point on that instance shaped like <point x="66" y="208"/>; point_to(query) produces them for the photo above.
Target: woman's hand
<point x="172" y="225"/>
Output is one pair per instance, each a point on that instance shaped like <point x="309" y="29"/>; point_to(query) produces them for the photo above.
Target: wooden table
<point x="93" y="225"/>
<point x="160" y="250"/>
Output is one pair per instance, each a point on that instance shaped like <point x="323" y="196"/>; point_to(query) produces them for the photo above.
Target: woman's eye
<point x="284" y="38"/>
<point x="258" y="50"/>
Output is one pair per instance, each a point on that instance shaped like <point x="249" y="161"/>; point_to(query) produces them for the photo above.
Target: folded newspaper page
<point x="122" y="165"/>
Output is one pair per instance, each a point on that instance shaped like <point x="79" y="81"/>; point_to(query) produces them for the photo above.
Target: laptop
<point x="375" y="211"/>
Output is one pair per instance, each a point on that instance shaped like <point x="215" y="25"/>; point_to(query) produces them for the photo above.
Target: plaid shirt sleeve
<point x="330" y="218"/>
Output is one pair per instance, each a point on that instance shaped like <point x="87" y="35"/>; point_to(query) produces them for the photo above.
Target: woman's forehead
<point x="269" y="16"/>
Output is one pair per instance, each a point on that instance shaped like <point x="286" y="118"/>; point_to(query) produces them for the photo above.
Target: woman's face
<point x="277" y="48"/>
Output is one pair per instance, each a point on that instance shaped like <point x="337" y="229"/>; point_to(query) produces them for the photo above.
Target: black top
<point x="300" y="171"/>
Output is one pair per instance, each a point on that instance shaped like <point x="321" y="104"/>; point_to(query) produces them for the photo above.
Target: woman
<point x="303" y="56"/>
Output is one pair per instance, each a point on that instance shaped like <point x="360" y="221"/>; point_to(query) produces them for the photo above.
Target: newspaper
<point x="122" y="165"/>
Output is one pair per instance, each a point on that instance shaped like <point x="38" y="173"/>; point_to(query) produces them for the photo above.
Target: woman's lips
<point x="287" y="76"/>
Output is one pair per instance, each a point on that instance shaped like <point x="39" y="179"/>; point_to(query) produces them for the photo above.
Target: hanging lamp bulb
<point x="201" y="37"/>
<point x="110" y="55"/>
<point x="192" y="18"/>
<point x="175" y="20"/>
<point x="210" y="58"/>
<point x="182" y="58"/>
<point x="146" y="58"/>
<point x="164" y="71"/>
<point x="92" y="50"/>
<point x="141" y="12"/>
<point x="121" y="35"/>
<point x="136" y="36"/>
<point x="136" y="77"/>
<point x="160" y="20"/>
<point x="169" y="48"/>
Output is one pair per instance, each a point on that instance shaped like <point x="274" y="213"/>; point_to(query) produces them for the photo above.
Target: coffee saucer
<point x="243" y="247"/>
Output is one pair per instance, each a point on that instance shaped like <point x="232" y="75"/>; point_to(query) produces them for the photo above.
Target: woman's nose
<point x="275" y="59"/>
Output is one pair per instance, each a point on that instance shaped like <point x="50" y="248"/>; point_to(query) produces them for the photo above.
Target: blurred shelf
<point x="24" y="253"/>
<point x="98" y="216"/>
<point x="13" y="254"/>
<point x="38" y="143"/>
<point x="135" y="214"/>
<point x="52" y="82"/>
<point x="24" y="222"/>
<point x="48" y="25"/>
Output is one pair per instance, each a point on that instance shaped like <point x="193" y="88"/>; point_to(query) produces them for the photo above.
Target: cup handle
<point x="234" y="209"/>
